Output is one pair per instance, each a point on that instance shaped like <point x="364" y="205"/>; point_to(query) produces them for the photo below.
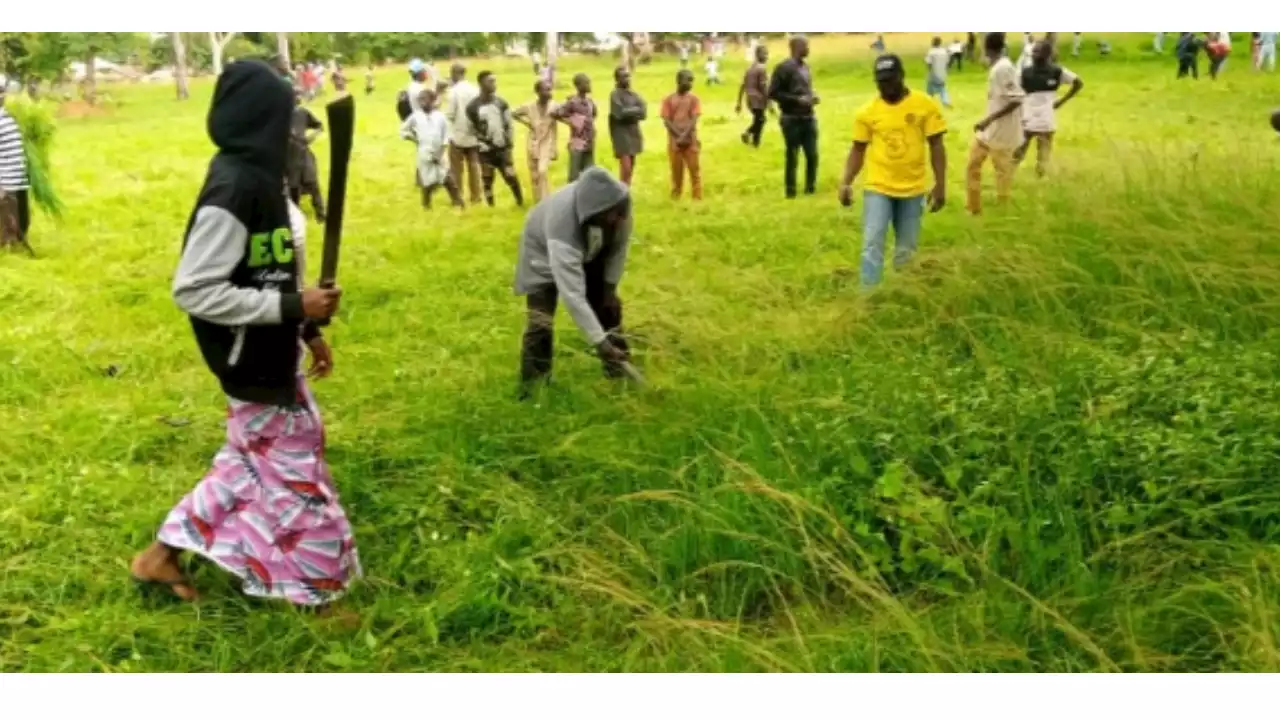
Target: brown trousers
<point x="1044" y="151"/>
<point x="539" y="178"/>
<point x="681" y="158"/>
<point x="1004" y="164"/>
<point x="466" y="160"/>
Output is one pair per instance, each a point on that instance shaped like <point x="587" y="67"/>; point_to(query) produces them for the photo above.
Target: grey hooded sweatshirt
<point x="556" y="244"/>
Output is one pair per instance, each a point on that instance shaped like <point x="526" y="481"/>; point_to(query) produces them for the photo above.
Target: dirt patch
<point x="80" y="109"/>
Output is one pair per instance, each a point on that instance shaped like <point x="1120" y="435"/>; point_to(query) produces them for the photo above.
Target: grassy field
<point x="1052" y="445"/>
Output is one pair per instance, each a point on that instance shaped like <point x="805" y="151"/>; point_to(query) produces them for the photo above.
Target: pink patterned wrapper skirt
<point x="268" y="512"/>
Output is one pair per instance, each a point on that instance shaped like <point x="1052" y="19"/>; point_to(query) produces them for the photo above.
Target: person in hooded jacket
<point x="300" y="166"/>
<point x="267" y="512"/>
<point x="574" y="247"/>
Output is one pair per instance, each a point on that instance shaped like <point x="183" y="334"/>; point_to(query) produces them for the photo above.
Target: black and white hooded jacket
<point x="239" y="278"/>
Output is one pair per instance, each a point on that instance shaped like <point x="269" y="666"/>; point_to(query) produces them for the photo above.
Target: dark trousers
<point x="499" y="161"/>
<point x="626" y="169"/>
<point x="753" y="133"/>
<point x="539" y="335"/>
<point x="580" y="160"/>
<point x="24" y="213"/>
<point x="956" y="61"/>
<point x="1215" y="64"/>
<point x="450" y="187"/>
<point x="801" y="133"/>
<point x="1188" y="65"/>
<point x="311" y="189"/>
<point x="15" y="218"/>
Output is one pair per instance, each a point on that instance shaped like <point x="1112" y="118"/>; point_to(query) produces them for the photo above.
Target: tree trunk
<point x="218" y="43"/>
<point x="282" y="48"/>
<point x="180" y="65"/>
<point x="90" y="91"/>
<point x="625" y="48"/>
<point x="553" y="49"/>
<point x="215" y="48"/>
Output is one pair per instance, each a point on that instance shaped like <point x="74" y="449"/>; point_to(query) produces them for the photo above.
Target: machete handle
<point x="325" y="285"/>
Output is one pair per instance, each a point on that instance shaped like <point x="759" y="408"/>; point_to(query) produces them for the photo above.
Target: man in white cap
<point x="418" y="81"/>
<point x="15" y="205"/>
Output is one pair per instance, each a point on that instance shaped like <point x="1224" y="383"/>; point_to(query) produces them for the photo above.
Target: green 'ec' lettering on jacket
<point x="264" y="248"/>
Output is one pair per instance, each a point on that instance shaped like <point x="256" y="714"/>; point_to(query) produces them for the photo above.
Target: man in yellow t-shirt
<point x="890" y="136"/>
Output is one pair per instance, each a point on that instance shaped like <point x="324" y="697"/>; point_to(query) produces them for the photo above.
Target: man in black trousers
<point x="792" y="89"/>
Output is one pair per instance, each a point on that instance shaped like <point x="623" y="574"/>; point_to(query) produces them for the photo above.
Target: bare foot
<point x="158" y="565"/>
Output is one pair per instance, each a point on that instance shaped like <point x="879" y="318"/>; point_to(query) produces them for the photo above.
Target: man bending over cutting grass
<point x="890" y="134"/>
<point x="574" y="247"/>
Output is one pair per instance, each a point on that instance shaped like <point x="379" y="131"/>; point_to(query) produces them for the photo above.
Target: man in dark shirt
<point x="792" y="89"/>
<point x="1188" y="52"/>
<point x="300" y="173"/>
<point x="755" y="86"/>
<point x="490" y="116"/>
<point x="626" y="110"/>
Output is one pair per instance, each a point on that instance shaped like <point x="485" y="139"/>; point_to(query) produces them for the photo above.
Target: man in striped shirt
<point x="15" y="206"/>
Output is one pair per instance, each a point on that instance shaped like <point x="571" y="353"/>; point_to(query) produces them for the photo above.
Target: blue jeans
<point x="878" y="211"/>
<point x="933" y="87"/>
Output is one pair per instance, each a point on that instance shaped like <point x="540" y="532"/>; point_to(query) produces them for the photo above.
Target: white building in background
<point x="103" y="70"/>
<point x="607" y="41"/>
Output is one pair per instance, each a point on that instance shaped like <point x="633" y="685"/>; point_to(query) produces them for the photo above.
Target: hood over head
<point x="249" y="117"/>
<point x="596" y="191"/>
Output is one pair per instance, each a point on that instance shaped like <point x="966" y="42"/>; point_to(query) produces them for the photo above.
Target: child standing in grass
<point x="579" y="113"/>
<point x="1041" y="82"/>
<point x="490" y="116"/>
<point x="1218" y="50"/>
<point x="304" y="178"/>
<point x="539" y="117"/>
<point x="937" y="59"/>
<point x="680" y="113"/>
<point x="428" y="129"/>
<point x="713" y="71"/>
<point x="1188" y="53"/>
<point x="268" y="511"/>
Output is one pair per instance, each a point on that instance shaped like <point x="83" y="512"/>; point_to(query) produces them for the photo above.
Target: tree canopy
<point x="45" y="55"/>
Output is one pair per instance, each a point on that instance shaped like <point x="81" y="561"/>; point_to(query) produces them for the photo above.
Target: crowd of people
<point x="268" y="511"/>
<point x="1217" y="47"/>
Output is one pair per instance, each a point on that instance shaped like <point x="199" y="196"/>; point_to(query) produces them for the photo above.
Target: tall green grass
<point x="1050" y="445"/>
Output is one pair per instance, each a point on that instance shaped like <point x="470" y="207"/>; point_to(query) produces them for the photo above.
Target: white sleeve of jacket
<point x="617" y="262"/>
<point x="571" y="283"/>
<point x="202" y="286"/>
<point x="298" y="226"/>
